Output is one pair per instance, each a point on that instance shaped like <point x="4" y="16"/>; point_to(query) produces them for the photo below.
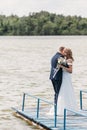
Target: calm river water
<point x="25" y="67"/>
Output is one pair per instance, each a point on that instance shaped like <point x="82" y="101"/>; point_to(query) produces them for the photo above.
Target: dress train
<point x="66" y="98"/>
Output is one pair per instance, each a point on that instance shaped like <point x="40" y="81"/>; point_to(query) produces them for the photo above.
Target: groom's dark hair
<point x="61" y="48"/>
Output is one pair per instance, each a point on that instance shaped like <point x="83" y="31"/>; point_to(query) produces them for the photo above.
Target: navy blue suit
<point x="57" y="80"/>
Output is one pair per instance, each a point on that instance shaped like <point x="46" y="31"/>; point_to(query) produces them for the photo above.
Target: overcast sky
<point x="24" y="7"/>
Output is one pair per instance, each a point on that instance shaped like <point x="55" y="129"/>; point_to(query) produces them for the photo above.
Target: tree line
<point x="43" y="23"/>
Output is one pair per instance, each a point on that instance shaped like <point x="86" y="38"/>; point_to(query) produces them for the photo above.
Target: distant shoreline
<point x="42" y="24"/>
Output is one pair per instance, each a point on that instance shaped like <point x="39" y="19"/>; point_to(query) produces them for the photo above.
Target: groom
<point x="57" y="79"/>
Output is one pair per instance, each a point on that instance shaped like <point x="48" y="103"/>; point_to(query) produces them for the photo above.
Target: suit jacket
<point x="54" y="59"/>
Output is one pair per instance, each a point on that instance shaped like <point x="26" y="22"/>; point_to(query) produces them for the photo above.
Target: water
<point x="25" y="66"/>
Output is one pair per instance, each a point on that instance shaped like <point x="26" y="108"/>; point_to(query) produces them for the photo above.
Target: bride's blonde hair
<point x="69" y="54"/>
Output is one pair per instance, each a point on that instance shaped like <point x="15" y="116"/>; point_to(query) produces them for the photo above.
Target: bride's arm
<point x="69" y="69"/>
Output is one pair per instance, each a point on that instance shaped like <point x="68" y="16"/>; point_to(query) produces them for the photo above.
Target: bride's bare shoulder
<point x="69" y="61"/>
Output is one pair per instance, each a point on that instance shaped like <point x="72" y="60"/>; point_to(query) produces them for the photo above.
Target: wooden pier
<point x="37" y="114"/>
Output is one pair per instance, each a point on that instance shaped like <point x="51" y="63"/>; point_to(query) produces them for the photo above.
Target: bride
<point x="66" y="98"/>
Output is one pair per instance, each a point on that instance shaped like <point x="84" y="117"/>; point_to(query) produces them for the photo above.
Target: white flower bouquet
<point x="62" y="61"/>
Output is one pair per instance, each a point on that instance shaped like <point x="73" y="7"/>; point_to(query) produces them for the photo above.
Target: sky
<point x="24" y="7"/>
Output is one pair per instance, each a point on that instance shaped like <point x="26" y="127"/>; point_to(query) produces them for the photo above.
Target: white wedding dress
<point x="66" y="98"/>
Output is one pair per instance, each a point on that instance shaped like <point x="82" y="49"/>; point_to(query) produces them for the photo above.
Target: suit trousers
<point x="56" y="85"/>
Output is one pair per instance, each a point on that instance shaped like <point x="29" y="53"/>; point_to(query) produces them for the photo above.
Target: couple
<point x="64" y="96"/>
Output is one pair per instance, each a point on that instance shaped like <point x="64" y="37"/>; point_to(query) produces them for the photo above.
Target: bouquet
<point x="62" y="61"/>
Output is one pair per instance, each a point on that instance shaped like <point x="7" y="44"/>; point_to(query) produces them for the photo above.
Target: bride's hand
<point x="67" y="69"/>
<point x="61" y="66"/>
